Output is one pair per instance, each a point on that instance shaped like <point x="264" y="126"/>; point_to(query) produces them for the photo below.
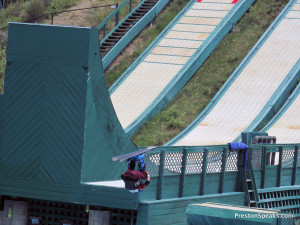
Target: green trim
<point x="132" y="33"/>
<point x="283" y="188"/>
<point x="277" y="100"/>
<point x="81" y="194"/>
<point x="234" y="76"/>
<point x="283" y="109"/>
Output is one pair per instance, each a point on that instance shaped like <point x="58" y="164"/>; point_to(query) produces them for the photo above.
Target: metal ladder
<point x="250" y="188"/>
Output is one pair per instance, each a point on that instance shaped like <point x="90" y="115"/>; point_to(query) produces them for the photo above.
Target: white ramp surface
<point x="287" y="128"/>
<point x="136" y="93"/>
<point x="249" y="93"/>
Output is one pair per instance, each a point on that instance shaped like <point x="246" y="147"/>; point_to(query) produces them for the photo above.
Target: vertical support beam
<point x="295" y="165"/>
<point x="182" y="175"/>
<point x="160" y="175"/>
<point x="203" y="175"/>
<point x="249" y="160"/>
<point x="52" y="18"/>
<point x="104" y="31"/>
<point x="241" y="170"/>
<point x="14" y="213"/>
<point x="279" y="166"/>
<point x="222" y="178"/>
<point x="263" y="166"/>
<point x="97" y="217"/>
<point x="130" y="6"/>
<point x="117" y="18"/>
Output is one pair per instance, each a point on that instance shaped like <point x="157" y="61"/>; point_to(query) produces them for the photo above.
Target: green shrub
<point x="3" y="39"/>
<point x="172" y="118"/>
<point x="11" y="14"/>
<point x="59" y="5"/>
<point x="33" y="8"/>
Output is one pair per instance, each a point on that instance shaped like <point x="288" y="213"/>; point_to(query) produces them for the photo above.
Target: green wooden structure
<point x="215" y="214"/>
<point x="58" y="126"/>
<point x="59" y="132"/>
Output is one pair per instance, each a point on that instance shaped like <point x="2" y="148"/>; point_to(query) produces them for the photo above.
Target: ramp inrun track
<point x="166" y="65"/>
<point x="250" y="87"/>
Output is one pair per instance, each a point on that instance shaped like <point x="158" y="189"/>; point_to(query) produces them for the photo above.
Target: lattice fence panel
<point x="52" y="213"/>
<point x="194" y="162"/>
<point x="256" y="159"/>
<point x="173" y="163"/>
<point x="288" y="158"/>
<point x="231" y="162"/>
<point x="152" y="161"/>
<point x="214" y="162"/>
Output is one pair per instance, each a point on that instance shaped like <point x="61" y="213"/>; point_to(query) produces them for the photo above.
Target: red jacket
<point x="132" y="179"/>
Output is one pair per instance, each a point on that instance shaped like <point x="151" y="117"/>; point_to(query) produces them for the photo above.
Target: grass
<point x="205" y="83"/>
<point x="144" y="39"/>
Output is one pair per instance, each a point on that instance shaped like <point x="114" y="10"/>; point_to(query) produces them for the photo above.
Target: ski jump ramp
<point x="257" y="79"/>
<point x="285" y="126"/>
<point x="168" y="63"/>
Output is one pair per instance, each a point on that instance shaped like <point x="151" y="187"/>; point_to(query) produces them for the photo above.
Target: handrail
<point x="116" y="13"/>
<point x="184" y="162"/>
<point x="117" y="10"/>
<point x="117" y="26"/>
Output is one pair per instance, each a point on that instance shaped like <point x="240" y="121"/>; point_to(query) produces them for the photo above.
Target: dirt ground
<point x="76" y="18"/>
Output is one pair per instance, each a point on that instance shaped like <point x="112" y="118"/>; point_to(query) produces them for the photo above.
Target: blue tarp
<point x="240" y="146"/>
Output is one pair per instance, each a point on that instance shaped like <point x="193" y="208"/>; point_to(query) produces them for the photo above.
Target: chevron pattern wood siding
<point x="43" y="122"/>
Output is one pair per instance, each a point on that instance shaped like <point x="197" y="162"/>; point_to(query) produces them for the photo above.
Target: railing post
<point x="160" y="175"/>
<point x="52" y="18"/>
<point x="104" y="31"/>
<point x="249" y="160"/>
<point x="263" y="166"/>
<point x="117" y="16"/>
<point x="295" y="165"/>
<point x="130" y="6"/>
<point x="279" y="166"/>
<point x="203" y="175"/>
<point x="222" y="178"/>
<point x="183" y="169"/>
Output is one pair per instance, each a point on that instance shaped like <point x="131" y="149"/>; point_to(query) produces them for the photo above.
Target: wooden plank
<point x="222" y="177"/>
<point x="15" y="213"/>
<point x="279" y="166"/>
<point x="183" y="169"/>
<point x="160" y="175"/>
<point x="263" y="166"/>
<point x="99" y="217"/>
<point x="203" y="175"/>
<point x="295" y="165"/>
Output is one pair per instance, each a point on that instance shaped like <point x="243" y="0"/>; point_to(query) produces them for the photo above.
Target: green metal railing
<point x="184" y="162"/>
<point x="276" y="164"/>
<point x="116" y="13"/>
<point x="272" y="162"/>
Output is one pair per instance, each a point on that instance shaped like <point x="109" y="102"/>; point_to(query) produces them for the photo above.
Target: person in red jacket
<point x="133" y="178"/>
